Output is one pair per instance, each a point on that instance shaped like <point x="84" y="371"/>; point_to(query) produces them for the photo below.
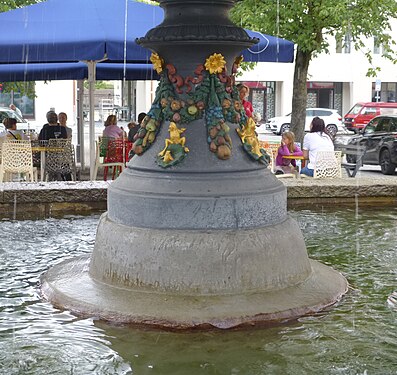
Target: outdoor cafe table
<point x="296" y="157"/>
<point x="42" y="147"/>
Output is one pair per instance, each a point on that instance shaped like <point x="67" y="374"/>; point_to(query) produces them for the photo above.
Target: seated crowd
<point x="318" y="139"/>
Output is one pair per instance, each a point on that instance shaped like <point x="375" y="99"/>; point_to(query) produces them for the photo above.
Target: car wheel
<point x="332" y="129"/>
<point x="284" y="128"/>
<point x="386" y="165"/>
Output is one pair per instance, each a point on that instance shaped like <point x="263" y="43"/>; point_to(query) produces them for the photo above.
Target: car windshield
<point x="370" y="128"/>
<point x="355" y="110"/>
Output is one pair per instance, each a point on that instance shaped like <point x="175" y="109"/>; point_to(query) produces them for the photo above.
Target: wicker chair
<point x="328" y="164"/>
<point x="17" y="158"/>
<point x="60" y="160"/>
<point x="110" y="153"/>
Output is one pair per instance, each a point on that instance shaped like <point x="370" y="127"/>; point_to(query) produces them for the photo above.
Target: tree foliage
<point x="13" y="4"/>
<point x="100" y="85"/>
<point x="311" y="25"/>
<point x="24" y="88"/>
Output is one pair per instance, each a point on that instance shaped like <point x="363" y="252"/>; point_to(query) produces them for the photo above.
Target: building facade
<point x="336" y="80"/>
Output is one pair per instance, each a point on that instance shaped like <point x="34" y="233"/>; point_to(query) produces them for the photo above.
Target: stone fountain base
<point x="277" y="283"/>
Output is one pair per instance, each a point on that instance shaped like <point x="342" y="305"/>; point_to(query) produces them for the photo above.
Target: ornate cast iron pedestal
<point x="197" y="232"/>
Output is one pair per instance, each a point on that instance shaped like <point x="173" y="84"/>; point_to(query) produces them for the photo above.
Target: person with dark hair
<point x="133" y="130"/>
<point x="52" y="130"/>
<point x="134" y="127"/>
<point x="11" y="131"/>
<point x="317" y="140"/>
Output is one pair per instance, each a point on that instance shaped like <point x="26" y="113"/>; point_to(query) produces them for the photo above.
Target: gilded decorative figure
<point x="175" y="149"/>
<point x="175" y="138"/>
<point x="248" y="136"/>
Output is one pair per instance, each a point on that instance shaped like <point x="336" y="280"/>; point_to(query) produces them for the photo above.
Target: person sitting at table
<point x="134" y="127"/>
<point x="287" y="148"/>
<point x="317" y="140"/>
<point x="243" y="91"/>
<point x="11" y="131"/>
<point x="111" y="129"/>
<point x="52" y="130"/>
<point x="62" y="119"/>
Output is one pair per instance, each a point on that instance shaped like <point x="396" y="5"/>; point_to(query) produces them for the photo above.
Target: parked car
<point x="380" y="139"/>
<point x="278" y="125"/>
<point x="22" y="124"/>
<point x="362" y="113"/>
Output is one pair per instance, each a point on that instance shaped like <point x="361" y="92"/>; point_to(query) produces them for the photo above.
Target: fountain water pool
<point x="356" y="336"/>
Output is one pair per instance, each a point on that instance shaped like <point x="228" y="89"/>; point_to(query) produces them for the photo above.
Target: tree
<point x="12" y="4"/>
<point x="311" y="24"/>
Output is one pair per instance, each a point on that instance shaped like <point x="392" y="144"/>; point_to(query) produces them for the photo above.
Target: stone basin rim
<point x="68" y="286"/>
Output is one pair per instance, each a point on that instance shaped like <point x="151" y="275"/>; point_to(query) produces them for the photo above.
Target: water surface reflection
<point x="358" y="336"/>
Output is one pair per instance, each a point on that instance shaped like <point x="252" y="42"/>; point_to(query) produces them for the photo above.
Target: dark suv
<point x="380" y="139"/>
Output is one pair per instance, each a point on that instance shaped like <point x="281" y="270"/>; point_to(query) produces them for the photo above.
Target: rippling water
<point x="358" y="336"/>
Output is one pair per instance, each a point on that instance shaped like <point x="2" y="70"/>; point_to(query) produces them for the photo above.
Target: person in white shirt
<point x="11" y="131"/>
<point x="16" y="109"/>
<point x="317" y="140"/>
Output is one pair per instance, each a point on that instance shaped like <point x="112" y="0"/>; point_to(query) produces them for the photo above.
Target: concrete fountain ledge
<point x="45" y="198"/>
<point x="89" y="195"/>
<point x="366" y="189"/>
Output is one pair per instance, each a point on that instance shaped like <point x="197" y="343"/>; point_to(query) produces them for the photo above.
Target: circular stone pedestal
<point x="190" y="247"/>
<point x="279" y="288"/>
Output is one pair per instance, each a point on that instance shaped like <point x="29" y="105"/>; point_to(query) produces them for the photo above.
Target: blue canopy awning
<point x="77" y="30"/>
<point x="75" y="70"/>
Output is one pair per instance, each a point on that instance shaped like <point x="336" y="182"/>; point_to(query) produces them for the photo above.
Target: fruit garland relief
<point x="210" y="93"/>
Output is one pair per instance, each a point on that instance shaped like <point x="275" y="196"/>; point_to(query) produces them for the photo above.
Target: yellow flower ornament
<point x="215" y="63"/>
<point x="157" y="62"/>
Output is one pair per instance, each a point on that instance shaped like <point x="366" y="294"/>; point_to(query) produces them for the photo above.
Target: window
<point x="370" y="128"/>
<point x="24" y="103"/>
<point x="377" y="47"/>
<point x="393" y="125"/>
<point x="383" y="125"/>
<point x="369" y="111"/>
<point x="347" y="43"/>
<point x="355" y="110"/>
<point x="322" y="113"/>
<point x="338" y="48"/>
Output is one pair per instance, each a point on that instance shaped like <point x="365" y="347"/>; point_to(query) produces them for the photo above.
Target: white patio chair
<point x="328" y="164"/>
<point x="17" y="158"/>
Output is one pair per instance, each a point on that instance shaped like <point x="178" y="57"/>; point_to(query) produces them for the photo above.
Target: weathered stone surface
<point x="341" y="188"/>
<point x="299" y="191"/>
<point x="50" y="192"/>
